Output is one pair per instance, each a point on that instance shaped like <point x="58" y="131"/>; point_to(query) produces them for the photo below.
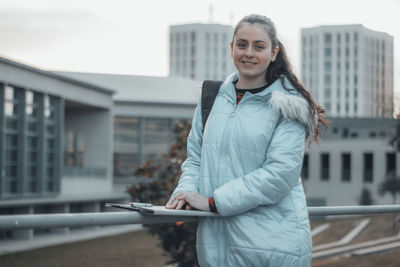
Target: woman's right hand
<point x="177" y="204"/>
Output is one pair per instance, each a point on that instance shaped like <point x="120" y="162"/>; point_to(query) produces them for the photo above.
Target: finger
<point x="173" y="204"/>
<point x="170" y="201"/>
<point x="188" y="207"/>
<point x="180" y="204"/>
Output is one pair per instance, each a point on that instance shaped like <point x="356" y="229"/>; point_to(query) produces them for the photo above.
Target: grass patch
<point x="130" y="249"/>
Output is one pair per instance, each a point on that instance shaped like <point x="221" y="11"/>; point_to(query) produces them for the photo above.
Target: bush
<point x="177" y="239"/>
<point x="366" y="197"/>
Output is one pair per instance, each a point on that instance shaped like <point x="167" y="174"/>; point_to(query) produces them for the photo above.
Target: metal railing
<point x="36" y="221"/>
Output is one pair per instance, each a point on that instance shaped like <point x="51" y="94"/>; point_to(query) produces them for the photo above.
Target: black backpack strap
<point x="209" y="92"/>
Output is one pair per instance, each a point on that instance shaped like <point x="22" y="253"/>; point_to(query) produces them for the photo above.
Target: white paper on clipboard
<point x="161" y="210"/>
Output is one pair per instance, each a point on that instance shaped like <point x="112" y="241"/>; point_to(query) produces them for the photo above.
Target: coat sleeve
<point x="273" y="180"/>
<point x="189" y="180"/>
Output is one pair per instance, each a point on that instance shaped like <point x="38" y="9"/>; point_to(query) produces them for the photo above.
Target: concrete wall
<point x="338" y="192"/>
<point x="96" y="127"/>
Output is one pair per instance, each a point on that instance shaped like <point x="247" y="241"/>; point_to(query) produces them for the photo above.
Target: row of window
<point x="183" y="38"/>
<point x="138" y="140"/>
<point x="186" y="38"/>
<point x="30" y="134"/>
<point x="346" y="167"/>
<point x="348" y="37"/>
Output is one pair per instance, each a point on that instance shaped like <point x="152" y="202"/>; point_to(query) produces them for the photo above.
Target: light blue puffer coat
<point x="249" y="158"/>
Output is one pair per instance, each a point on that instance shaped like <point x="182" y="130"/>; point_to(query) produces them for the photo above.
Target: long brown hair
<point x="281" y="68"/>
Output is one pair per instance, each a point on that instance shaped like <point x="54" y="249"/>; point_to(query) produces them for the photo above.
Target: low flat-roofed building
<point x="56" y="143"/>
<point x="353" y="154"/>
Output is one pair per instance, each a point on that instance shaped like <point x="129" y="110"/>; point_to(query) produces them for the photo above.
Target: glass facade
<point x="138" y="139"/>
<point x="30" y="161"/>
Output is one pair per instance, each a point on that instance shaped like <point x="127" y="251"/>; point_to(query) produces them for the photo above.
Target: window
<point x="368" y="167"/>
<point x="327" y="66"/>
<point x="327" y="106"/>
<point x="193" y="37"/>
<point x="304" y="169"/>
<point x="12" y="141"/>
<point x="193" y="66"/>
<point x="327" y="52"/>
<point x="345" y="132"/>
<point x="327" y="38"/>
<point x="391" y="163"/>
<point x="346" y="167"/>
<point x="193" y="51"/>
<point x="327" y="93"/>
<point x="325" y="166"/>
<point x="215" y="39"/>
<point x="126" y="146"/>
<point x="327" y="79"/>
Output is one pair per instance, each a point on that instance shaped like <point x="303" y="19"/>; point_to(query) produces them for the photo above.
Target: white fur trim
<point x="296" y="108"/>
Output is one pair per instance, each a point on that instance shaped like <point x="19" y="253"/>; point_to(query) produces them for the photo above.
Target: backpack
<point x="209" y="92"/>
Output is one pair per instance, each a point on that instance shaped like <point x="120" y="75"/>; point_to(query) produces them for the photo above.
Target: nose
<point x="249" y="51"/>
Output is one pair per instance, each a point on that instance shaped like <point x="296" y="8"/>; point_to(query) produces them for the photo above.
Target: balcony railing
<point x="88" y="172"/>
<point x="14" y="222"/>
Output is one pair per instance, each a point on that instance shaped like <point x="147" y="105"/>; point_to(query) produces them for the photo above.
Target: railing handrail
<point x="35" y="221"/>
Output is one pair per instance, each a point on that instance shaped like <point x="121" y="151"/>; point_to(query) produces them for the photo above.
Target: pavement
<point x="47" y="240"/>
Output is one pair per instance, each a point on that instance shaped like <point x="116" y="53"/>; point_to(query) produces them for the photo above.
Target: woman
<point x="246" y="163"/>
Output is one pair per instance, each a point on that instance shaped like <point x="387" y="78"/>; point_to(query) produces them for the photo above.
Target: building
<point x="56" y="143"/>
<point x="200" y="51"/>
<point x="146" y="110"/>
<point x="349" y="70"/>
<point x="354" y="154"/>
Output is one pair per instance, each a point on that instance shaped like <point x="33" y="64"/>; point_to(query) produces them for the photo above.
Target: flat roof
<point x="55" y="75"/>
<point x="146" y="89"/>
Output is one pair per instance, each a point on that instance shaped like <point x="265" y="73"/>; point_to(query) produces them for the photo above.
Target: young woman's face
<point x="252" y="52"/>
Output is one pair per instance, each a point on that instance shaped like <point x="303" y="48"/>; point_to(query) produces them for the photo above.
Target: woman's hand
<point x="191" y="199"/>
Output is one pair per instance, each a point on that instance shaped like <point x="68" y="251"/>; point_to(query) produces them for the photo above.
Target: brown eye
<point x="241" y="45"/>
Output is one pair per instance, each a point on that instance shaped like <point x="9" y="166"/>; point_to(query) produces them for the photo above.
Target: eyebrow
<point x="256" y="41"/>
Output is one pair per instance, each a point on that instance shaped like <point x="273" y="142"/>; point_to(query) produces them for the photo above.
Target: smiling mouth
<point x="248" y="63"/>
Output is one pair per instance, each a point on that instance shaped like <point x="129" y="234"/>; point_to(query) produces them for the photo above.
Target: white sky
<point x="131" y="36"/>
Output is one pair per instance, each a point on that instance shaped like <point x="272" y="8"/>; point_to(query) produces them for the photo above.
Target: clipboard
<point x="162" y="211"/>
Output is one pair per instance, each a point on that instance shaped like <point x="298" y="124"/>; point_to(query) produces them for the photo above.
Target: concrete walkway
<point x="12" y="246"/>
<point x="346" y="239"/>
<point x="376" y="249"/>
<point x="350" y="248"/>
<point x="320" y="229"/>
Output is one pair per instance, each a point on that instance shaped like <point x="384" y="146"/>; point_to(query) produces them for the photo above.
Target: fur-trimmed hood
<point x="284" y="99"/>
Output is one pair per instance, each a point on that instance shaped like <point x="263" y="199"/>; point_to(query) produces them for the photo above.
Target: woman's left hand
<point x="195" y="200"/>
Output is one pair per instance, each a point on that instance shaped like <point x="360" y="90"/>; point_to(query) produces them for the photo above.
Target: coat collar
<point x="289" y="102"/>
<point x="228" y="88"/>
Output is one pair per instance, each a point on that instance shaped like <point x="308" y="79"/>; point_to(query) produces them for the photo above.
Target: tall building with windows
<point x="349" y="70"/>
<point x="200" y="51"/>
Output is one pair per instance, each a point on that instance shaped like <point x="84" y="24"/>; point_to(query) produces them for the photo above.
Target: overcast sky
<point x="131" y="36"/>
